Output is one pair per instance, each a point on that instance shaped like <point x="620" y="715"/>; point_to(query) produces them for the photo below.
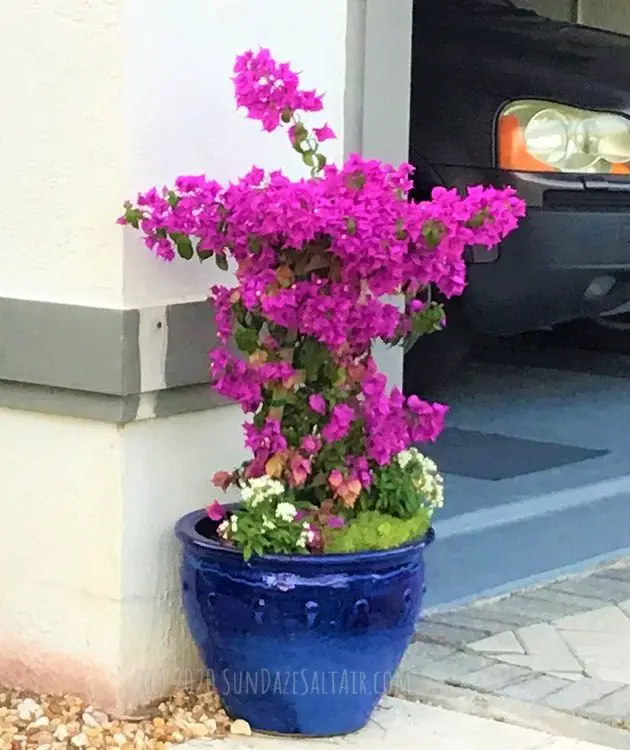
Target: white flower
<point x="266" y="485"/>
<point x="223" y="527"/>
<point x="425" y="476"/>
<point x="404" y="458"/>
<point x="234" y="523"/>
<point x="286" y="511"/>
<point x="247" y="493"/>
<point x="261" y="488"/>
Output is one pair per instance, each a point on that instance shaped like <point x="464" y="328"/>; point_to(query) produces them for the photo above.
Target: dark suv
<point x="503" y="96"/>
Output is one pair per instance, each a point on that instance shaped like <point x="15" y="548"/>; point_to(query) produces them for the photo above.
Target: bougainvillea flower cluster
<point x="320" y="264"/>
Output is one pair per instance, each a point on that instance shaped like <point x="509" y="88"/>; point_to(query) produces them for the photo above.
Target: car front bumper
<point x="570" y="258"/>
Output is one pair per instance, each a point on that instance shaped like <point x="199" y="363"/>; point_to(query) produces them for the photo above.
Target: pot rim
<point x="186" y="532"/>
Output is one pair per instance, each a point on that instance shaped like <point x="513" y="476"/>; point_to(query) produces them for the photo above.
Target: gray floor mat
<point x="482" y="455"/>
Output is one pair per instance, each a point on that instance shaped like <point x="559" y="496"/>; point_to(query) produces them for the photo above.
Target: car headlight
<point x="538" y="136"/>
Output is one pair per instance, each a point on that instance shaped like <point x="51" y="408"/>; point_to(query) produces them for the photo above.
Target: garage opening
<point x="535" y="361"/>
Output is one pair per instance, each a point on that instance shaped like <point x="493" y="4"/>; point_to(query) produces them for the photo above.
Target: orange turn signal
<point x="512" y="150"/>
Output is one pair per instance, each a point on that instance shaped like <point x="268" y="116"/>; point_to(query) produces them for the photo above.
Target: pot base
<point x="287" y="735"/>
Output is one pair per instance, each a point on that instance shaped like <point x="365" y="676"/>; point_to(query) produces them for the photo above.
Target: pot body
<point x="299" y="644"/>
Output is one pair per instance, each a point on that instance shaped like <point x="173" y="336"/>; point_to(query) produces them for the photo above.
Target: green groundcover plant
<point x="319" y="264"/>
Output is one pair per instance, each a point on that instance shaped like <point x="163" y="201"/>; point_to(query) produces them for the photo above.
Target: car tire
<point x="435" y="358"/>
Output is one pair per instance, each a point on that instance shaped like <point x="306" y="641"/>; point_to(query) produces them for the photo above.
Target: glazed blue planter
<point x="299" y="644"/>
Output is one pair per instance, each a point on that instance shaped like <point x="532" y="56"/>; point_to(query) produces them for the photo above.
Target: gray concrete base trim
<point x="103" y="363"/>
<point x="105" y="407"/>
<point x="70" y="346"/>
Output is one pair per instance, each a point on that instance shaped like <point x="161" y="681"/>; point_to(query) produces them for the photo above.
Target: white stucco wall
<point x="114" y="96"/>
<point x="181" y="114"/>
<point x="60" y="554"/>
<point x="61" y="150"/>
<point x="166" y="469"/>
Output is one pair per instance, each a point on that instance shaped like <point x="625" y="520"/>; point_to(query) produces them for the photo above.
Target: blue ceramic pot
<point x="299" y="644"/>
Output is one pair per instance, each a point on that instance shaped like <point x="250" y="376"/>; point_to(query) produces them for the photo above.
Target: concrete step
<point x="499" y="549"/>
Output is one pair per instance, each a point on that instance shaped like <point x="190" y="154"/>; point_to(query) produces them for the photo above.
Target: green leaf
<point x="221" y="261"/>
<point x="173" y="199"/>
<point x="254" y="244"/>
<point x="260" y="418"/>
<point x="308" y="157"/>
<point x="356" y="180"/>
<point x="433" y="231"/>
<point x="132" y="215"/>
<point x="313" y="357"/>
<point x="321" y="161"/>
<point x="205" y="254"/>
<point x="184" y="245"/>
<point x="286" y="116"/>
<point x="246" y="339"/>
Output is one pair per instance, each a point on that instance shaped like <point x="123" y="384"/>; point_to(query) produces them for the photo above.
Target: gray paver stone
<point x="445" y="634"/>
<point x="615" y="706"/>
<point x="502" y="643"/>
<point x="421" y="652"/>
<point x="597" y="591"/>
<point x="493" y="678"/>
<point x="453" y="668"/>
<point x="507" y="613"/>
<point x="520" y="611"/>
<point x="570" y="603"/>
<point x="534" y="689"/>
<point x="470" y="620"/>
<point x="621" y="574"/>
<point x="546" y="649"/>
<point x="617" y="589"/>
<point x="579" y="694"/>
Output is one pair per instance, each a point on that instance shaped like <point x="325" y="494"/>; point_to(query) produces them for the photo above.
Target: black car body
<point x="570" y="258"/>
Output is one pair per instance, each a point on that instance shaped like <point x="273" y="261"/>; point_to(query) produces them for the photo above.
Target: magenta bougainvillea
<point x="319" y="266"/>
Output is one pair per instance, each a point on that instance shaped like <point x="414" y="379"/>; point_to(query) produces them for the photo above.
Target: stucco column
<point x="378" y="75"/>
<point x="108" y="430"/>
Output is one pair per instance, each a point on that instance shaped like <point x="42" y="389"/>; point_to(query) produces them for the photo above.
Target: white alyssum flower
<point x="404" y="458"/>
<point x="286" y="511"/>
<point x="426" y="476"/>
<point x="261" y="488"/>
<point x="223" y="528"/>
<point x="430" y="482"/>
<point x="234" y="523"/>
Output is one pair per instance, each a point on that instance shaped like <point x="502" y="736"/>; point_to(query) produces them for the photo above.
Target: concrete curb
<point x="517" y="713"/>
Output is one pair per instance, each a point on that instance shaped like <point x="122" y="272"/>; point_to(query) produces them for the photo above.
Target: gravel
<point x="52" y="722"/>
